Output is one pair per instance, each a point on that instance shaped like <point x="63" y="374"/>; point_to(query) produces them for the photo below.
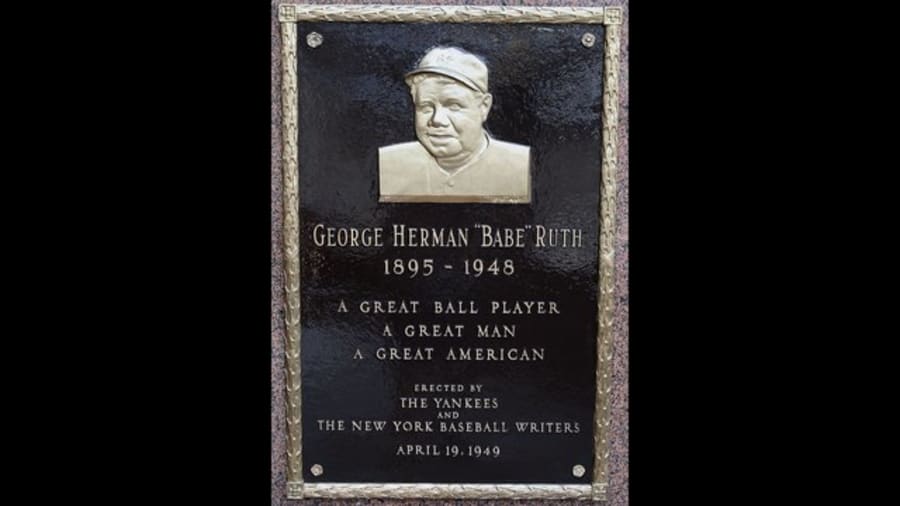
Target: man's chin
<point x="442" y="151"/>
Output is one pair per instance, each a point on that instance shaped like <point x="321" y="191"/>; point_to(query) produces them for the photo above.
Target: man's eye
<point x="426" y="109"/>
<point x="454" y="107"/>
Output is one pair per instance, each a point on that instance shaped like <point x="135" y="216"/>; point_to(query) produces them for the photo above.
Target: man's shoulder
<point x="400" y="168"/>
<point x="403" y="148"/>
<point x="510" y="147"/>
<point x="403" y="157"/>
<point x="509" y="155"/>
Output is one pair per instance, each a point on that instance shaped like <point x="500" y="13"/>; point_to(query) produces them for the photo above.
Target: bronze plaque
<point x="449" y="206"/>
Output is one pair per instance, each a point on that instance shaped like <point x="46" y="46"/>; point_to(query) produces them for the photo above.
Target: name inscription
<point x="482" y="235"/>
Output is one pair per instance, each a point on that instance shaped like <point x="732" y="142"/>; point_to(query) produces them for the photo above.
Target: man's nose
<point x="439" y="117"/>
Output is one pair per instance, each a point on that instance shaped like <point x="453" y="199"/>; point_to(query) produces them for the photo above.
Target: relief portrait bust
<point x="455" y="159"/>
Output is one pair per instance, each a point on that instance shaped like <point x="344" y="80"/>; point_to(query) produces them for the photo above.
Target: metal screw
<point x="578" y="471"/>
<point x="314" y="39"/>
<point x="588" y="39"/>
<point x="316" y="470"/>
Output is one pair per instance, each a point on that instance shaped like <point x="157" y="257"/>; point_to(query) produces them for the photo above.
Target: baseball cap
<point x="454" y="63"/>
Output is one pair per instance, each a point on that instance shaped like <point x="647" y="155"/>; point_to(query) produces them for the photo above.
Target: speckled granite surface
<point x="618" y="465"/>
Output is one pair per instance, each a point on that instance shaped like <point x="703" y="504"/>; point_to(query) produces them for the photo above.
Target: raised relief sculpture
<point x="455" y="159"/>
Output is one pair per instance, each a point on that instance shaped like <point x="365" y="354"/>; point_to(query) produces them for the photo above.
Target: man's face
<point x="449" y="117"/>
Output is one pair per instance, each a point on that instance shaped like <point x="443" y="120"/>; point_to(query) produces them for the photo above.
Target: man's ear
<point x="486" y="102"/>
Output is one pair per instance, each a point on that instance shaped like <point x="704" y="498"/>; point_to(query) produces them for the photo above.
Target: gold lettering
<point x="347" y="236"/>
<point x="496" y="331"/>
<point x="501" y="354"/>
<point x="389" y="307"/>
<point x="404" y="354"/>
<point x="421" y="237"/>
<point x="557" y="237"/>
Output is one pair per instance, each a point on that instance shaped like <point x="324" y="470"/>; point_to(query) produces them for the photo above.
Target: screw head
<point x="578" y="471"/>
<point x="314" y="39"/>
<point x="316" y="470"/>
<point x="588" y="39"/>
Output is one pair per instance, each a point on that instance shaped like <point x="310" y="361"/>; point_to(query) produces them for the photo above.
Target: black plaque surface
<point x="548" y="87"/>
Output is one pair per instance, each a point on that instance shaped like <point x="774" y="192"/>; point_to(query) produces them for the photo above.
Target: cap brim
<point x="449" y="73"/>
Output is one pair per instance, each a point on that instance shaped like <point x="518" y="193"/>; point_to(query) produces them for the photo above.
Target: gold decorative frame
<point x="611" y="18"/>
